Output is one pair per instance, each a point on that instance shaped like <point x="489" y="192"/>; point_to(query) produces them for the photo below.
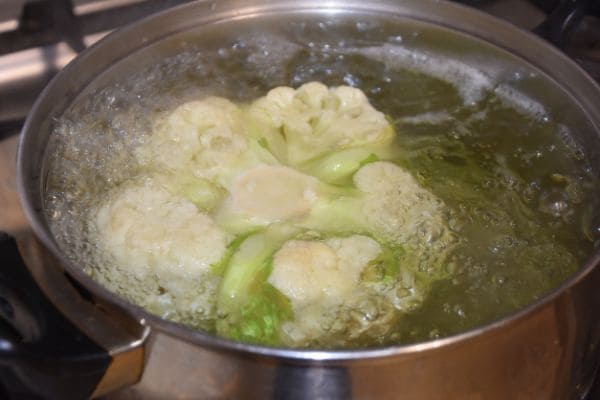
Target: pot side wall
<point x="548" y="354"/>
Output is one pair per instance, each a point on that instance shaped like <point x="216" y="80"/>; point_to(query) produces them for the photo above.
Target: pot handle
<point x="42" y="352"/>
<point x="559" y="24"/>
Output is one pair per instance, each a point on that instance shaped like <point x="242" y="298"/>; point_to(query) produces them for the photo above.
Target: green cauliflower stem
<point x="247" y="309"/>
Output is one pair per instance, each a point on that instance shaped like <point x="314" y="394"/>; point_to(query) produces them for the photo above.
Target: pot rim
<point x="260" y="8"/>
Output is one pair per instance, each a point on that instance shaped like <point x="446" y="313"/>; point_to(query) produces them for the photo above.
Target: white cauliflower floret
<point x="322" y="280"/>
<point x="399" y="210"/>
<point x="396" y="206"/>
<point x="162" y="246"/>
<point x="305" y="271"/>
<point x="308" y="271"/>
<point x="150" y="231"/>
<point x="206" y="138"/>
<point x="314" y="120"/>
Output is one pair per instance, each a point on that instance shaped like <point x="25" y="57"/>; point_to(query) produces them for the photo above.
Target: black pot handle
<point x="563" y="19"/>
<point x="43" y="355"/>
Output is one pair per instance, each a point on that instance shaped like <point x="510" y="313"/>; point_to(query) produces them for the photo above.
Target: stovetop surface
<point x="21" y="84"/>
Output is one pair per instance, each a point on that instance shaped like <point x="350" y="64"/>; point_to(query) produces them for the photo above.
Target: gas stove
<point x="39" y="37"/>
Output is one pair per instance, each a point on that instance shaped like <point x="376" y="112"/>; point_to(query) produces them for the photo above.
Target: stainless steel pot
<point x="548" y="350"/>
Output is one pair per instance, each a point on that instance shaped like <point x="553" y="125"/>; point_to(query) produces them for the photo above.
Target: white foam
<point x="432" y="118"/>
<point x="511" y="97"/>
<point x="268" y="49"/>
<point x="470" y="82"/>
<point x="566" y="137"/>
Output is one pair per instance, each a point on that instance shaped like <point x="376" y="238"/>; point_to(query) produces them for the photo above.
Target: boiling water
<point x="520" y="187"/>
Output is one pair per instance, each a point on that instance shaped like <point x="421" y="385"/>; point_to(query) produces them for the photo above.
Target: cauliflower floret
<point x="204" y="137"/>
<point x="306" y="271"/>
<point x="315" y="120"/>
<point x="397" y="207"/>
<point x="150" y="231"/>
<point x="161" y="246"/>
<point x="322" y="280"/>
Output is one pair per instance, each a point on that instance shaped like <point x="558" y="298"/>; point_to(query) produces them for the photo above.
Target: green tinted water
<point x="518" y="185"/>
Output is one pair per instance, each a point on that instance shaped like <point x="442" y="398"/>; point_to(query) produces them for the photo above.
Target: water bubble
<point x="434" y="334"/>
<point x="579" y="154"/>
<point x="351" y="80"/>
<point x="558" y="178"/>
<point x="529" y="193"/>
<point x="369" y="310"/>
<point x="402" y="292"/>
<point x="495" y="249"/>
<point x="458" y="310"/>
<point x="362" y="26"/>
<point x="554" y="202"/>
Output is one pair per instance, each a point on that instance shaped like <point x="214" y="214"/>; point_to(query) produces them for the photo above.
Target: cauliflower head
<point x="162" y="248"/>
<point x="332" y="304"/>
<point x="283" y="221"/>
<point x="302" y="124"/>
<point x="206" y="138"/>
<point x="307" y="271"/>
